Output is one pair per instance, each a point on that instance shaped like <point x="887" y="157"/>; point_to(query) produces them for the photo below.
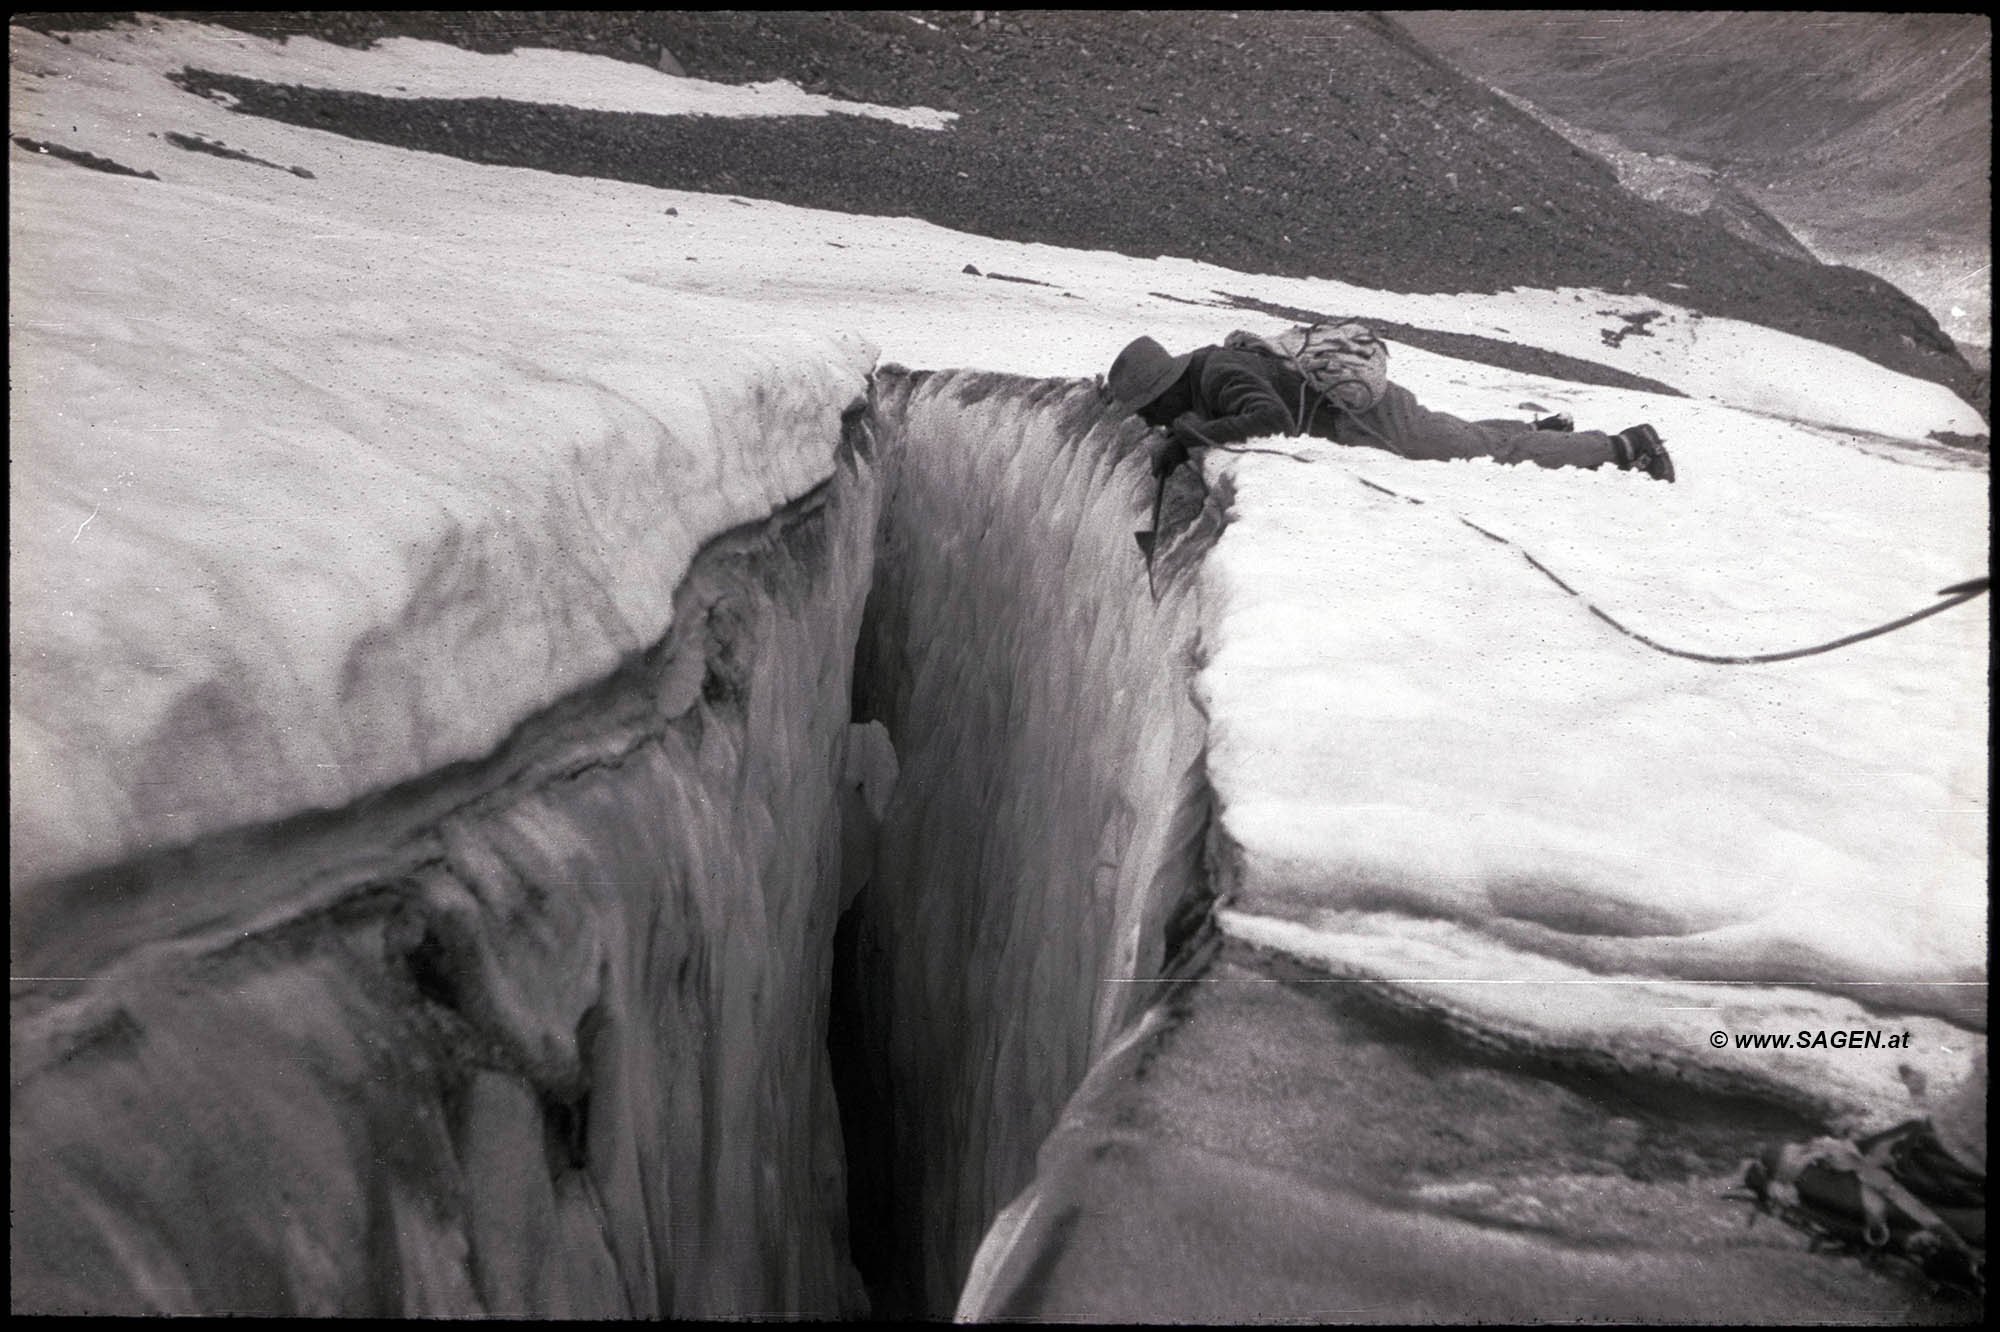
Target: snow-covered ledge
<point x="429" y="717"/>
<point x="306" y="515"/>
<point x="1440" y="772"/>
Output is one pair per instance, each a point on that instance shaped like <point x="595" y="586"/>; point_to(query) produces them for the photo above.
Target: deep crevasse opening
<point x="1043" y="849"/>
<point x="548" y="1032"/>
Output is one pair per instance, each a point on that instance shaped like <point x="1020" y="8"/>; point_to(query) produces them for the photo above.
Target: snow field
<point x="1464" y="783"/>
<point x="403" y="67"/>
<point x="920" y="308"/>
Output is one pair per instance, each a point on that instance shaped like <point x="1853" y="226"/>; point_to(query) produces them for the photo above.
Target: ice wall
<point x="430" y="670"/>
<point x="429" y="689"/>
<point x="1046" y="834"/>
<point x="302" y="510"/>
<point x="429" y="694"/>
<point x="539" y="1035"/>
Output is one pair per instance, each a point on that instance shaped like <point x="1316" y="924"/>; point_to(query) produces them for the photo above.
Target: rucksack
<point x="1342" y="360"/>
<point x="1898" y="1194"/>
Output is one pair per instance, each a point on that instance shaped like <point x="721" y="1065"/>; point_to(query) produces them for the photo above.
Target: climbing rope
<point x="1956" y="594"/>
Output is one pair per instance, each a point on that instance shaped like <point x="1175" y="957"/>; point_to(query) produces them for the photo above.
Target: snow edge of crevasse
<point x="534" y="1034"/>
<point x="547" y="1031"/>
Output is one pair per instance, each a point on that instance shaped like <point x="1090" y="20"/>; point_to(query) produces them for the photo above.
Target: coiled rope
<point x="1956" y="594"/>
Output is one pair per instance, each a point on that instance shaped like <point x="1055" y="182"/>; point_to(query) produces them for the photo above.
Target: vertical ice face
<point x="1049" y="810"/>
<point x="430" y="692"/>
<point x="540" y="1034"/>
<point x="545" y="1033"/>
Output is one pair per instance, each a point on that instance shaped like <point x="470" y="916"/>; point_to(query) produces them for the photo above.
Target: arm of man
<point x="1235" y="400"/>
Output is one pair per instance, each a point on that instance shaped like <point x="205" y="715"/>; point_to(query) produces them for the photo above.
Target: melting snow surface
<point x="311" y="509"/>
<point x="335" y="479"/>
<point x="1438" y="763"/>
<point x="405" y="67"/>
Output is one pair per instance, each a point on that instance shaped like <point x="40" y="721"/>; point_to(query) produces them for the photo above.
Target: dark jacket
<point x="1227" y="396"/>
<point x="1223" y="397"/>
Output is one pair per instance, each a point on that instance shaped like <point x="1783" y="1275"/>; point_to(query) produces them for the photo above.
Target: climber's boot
<point x="1638" y="449"/>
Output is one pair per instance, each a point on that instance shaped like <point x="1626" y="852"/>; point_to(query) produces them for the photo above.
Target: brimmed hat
<point x="1142" y="372"/>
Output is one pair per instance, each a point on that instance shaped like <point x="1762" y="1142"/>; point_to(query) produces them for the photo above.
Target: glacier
<point x="487" y="715"/>
<point x="359" y="647"/>
<point x="527" y="1036"/>
<point x="997" y="957"/>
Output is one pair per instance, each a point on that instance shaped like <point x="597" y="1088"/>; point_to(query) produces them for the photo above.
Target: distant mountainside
<point x="1295" y="143"/>
<point x="1869" y="136"/>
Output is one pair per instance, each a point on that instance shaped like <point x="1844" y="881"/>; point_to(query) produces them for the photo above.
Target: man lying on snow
<point x="1331" y="380"/>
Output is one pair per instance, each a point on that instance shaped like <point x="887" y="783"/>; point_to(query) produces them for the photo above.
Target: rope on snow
<point x="1956" y="594"/>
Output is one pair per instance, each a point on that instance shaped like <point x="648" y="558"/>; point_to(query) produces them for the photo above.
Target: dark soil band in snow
<point x="1303" y="145"/>
<point x="1514" y="356"/>
<point x="80" y="157"/>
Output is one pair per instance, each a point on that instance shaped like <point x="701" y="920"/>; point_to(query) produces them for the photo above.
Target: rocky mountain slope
<point x="1870" y="135"/>
<point x="1300" y="144"/>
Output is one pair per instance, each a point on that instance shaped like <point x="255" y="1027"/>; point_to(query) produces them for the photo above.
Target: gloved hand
<point x="1168" y="451"/>
<point x="1190" y="431"/>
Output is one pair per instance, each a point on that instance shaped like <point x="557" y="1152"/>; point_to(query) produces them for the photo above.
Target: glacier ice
<point x="1050" y="806"/>
<point x="540" y="1034"/>
<point x="437" y="778"/>
<point x="460" y="494"/>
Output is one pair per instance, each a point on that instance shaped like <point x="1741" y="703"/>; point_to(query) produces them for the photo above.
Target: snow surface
<point x="310" y="509"/>
<point x="1462" y="781"/>
<point x="1437" y="765"/>
<point x="404" y="67"/>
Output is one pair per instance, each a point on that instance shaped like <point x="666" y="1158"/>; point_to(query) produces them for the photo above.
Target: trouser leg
<point x="1401" y="425"/>
<point x="1514" y="442"/>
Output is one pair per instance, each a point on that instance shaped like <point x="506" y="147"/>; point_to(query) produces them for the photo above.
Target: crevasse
<point x="544" y="1032"/>
<point x="1043" y="851"/>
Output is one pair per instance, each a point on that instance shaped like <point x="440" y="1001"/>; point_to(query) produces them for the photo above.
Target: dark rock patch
<point x="1302" y="144"/>
<point x="80" y="157"/>
<point x="195" y="143"/>
<point x="1472" y="347"/>
<point x="1635" y="326"/>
